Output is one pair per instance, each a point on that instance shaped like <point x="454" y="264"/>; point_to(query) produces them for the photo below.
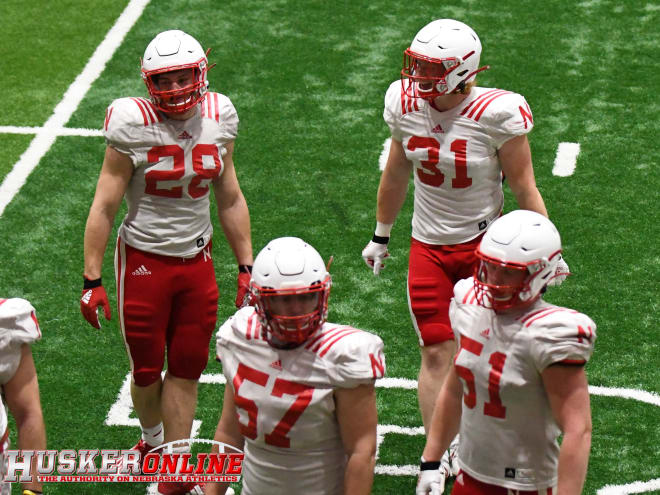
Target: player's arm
<point x="233" y="210"/>
<point x="446" y="418"/>
<point x="516" y="162"/>
<point x="358" y="419"/>
<point x="568" y="393"/>
<point x="392" y="191"/>
<point x="22" y="395"/>
<point x="227" y="432"/>
<point x="393" y="186"/>
<point x="115" y="175"/>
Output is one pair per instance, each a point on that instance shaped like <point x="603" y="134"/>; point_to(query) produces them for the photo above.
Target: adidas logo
<point x="485" y="333"/>
<point x="184" y="135"/>
<point x="437" y="129"/>
<point x="277" y="365"/>
<point x="141" y="270"/>
<point x="87" y="296"/>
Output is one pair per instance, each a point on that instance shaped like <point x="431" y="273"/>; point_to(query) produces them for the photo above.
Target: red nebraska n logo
<point x="377" y="365"/>
<point x="526" y="115"/>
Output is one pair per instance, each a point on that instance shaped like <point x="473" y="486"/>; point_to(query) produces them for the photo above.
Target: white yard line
<point x="566" y="159"/>
<point x="46" y="135"/>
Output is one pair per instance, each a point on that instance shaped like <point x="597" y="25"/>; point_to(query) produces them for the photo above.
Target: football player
<point x="300" y="391"/>
<point x="459" y="141"/>
<point x="518" y="379"/>
<point x="19" y="328"/>
<point x="165" y="154"/>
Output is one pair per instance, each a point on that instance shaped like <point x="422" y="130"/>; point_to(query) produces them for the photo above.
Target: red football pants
<point x="166" y="304"/>
<point x="432" y="272"/>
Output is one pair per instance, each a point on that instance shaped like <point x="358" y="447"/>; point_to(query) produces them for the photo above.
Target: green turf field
<point x="308" y="79"/>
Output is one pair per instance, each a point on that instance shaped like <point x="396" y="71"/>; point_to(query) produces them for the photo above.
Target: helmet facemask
<point x="442" y="58"/>
<point x="290" y="316"/>
<point x="427" y="77"/>
<point x="190" y="94"/>
<point x="501" y="285"/>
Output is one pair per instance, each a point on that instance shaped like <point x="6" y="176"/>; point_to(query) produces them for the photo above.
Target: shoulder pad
<point x="242" y="326"/>
<point x="559" y="335"/>
<point x="125" y="118"/>
<point x="464" y="291"/>
<point x="354" y="356"/>
<point x="502" y="112"/>
<point x="18" y="322"/>
<point x="218" y="107"/>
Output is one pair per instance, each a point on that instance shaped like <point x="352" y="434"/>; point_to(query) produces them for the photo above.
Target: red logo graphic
<point x="160" y="465"/>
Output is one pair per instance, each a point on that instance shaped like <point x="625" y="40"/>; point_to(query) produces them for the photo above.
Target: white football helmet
<point x="172" y="51"/>
<point x="517" y="257"/>
<point x="288" y="269"/>
<point x="443" y="56"/>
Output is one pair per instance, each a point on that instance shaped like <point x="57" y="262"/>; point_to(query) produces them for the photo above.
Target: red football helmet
<point x="175" y="51"/>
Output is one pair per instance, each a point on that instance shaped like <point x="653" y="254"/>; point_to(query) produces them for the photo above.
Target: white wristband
<point x="383" y="229"/>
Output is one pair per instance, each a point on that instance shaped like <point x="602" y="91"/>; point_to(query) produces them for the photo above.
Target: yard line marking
<point x="46" y="135"/>
<point x="120" y="412"/>
<point x="566" y="159"/>
<point x="382" y="158"/>
<point x="62" y="131"/>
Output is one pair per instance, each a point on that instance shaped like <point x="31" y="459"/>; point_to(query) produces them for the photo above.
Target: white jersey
<point x="175" y="161"/>
<point x="18" y="326"/>
<point x="457" y="174"/>
<point x="508" y="435"/>
<point x="285" y="402"/>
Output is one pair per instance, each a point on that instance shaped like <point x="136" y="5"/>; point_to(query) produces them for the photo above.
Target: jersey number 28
<point x="196" y="188"/>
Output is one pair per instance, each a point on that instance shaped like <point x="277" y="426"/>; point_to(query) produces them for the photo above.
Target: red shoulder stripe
<point x="217" y="107"/>
<point x="408" y="104"/>
<point x="471" y="295"/>
<point x="543" y="315"/>
<point x="248" y="333"/>
<point x="479" y="99"/>
<point x="485" y="105"/>
<point x="319" y="337"/>
<point x="153" y="110"/>
<point x="526" y="317"/>
<point x="481" y="102"/>
<point x="334" y="339"/>
<point x="144" y="114"/>
<point x="2" y="301"/>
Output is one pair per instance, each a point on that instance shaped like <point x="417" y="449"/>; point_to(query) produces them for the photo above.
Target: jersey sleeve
<point x="126" y="127"/>
<point x="562" y="336"/>
<point x="392" y="111"/>
<point x="228" y="118"/>
<point x="18" y="326"/>
<point x="462" y="305"/>
<point x="356" y="359"/>
<point x="506" y="117"/>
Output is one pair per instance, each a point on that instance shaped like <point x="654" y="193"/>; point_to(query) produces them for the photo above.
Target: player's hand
<point x="93" y="296"/>
<point x="243" y="295"/>
<point x="561" y="272"/>
<point x="431" y="479"/>
<point x="375" y="252"/>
